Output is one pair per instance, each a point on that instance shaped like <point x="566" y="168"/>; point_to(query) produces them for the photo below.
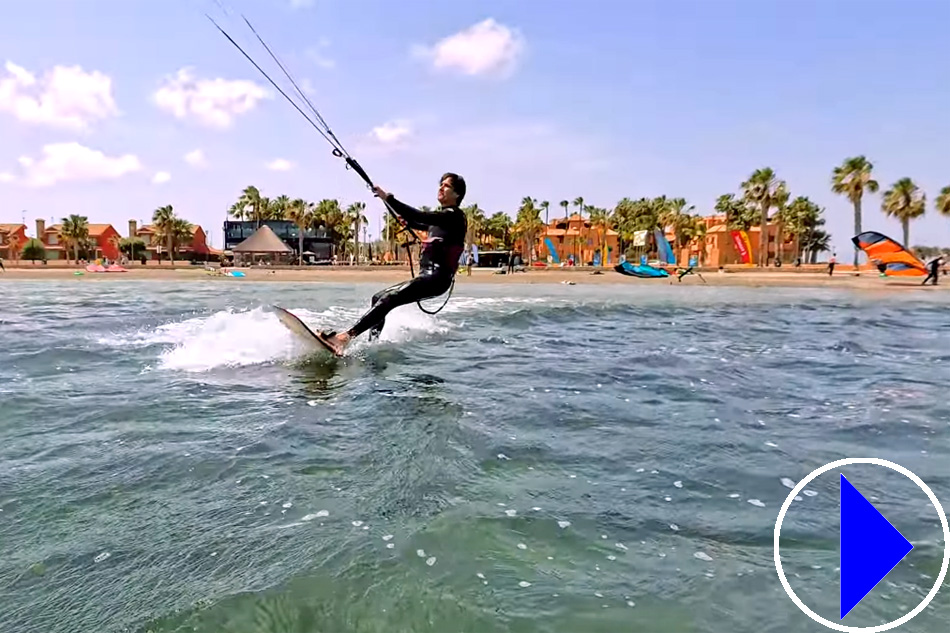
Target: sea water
<point x="532" y="458"/>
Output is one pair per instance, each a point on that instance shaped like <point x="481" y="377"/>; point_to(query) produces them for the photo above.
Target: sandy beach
<point x="395" y="274"/>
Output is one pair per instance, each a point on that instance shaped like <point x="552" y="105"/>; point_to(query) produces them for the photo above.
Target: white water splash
<point x="229" y="338"/>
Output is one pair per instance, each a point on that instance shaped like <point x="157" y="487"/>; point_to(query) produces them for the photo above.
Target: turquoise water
<point x="534" y="458"/>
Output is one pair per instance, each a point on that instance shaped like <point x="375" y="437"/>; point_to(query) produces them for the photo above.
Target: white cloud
<point x="65" y="97"/>
<point x="484" y="48"/>
<point x="317" y="55"/>
<point x="196" y="158"/>
<point x="212" y="102"/>
<point x="161" y="177"/>
<point x="280" y="164"/>
<point x="63" y="162"/>
<point x="6" y="177"/>
<point x="391" y="132"/>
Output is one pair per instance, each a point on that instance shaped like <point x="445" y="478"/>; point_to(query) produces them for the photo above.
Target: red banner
<point x="741" y="242"/>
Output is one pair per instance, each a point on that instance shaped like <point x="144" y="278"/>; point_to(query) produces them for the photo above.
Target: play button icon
<point x="870" y="547"/>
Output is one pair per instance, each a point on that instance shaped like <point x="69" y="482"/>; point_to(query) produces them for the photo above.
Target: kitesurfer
<point x="934" y="271"/>
<point x="446" y="228"/>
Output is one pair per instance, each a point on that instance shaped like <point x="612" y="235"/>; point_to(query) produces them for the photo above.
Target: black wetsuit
<point x="446" y="228"/>
<point x="934" y="272"/>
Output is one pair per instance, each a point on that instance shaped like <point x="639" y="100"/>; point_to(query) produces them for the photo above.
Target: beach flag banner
<point x="743" y="246"/>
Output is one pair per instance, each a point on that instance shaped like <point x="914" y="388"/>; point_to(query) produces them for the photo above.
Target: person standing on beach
<point x="831" y="265"/>
<point x="446" y="228"/>
<point x="934" y="270"/>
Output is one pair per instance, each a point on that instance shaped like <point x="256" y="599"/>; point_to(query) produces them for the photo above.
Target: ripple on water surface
<point x="571" y="458"/>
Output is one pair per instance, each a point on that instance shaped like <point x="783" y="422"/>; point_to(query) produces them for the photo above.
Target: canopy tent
<point x="264" y="240"/>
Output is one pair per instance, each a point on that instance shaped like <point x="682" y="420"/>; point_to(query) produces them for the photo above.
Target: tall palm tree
<point x="332" y="218"/>
<point x="500" y="228"/>
<point x="163" y="221"/>
<point x="904" y="201"/>
<point x="565" y="204"/>
<point x="763" y="189"/>
<point x="251" y="205"/>
<point x="75" y="231"/>
<point x="799" y="219"/>
<point x="943" y="202"/>
<point x="579" y="203"/>
<point x="354" y="213"/>
<point x="476" y="223"/>
<point x="301" y="214"/>
<point x="852" y="178"/>
<point x="601" y="217"/>
<point x="279" y="207"/>
<point x="393" y="228"/>
<point x="528" y="225"/>
<point x="546" y="205"/>
<point x="183" y="234"/>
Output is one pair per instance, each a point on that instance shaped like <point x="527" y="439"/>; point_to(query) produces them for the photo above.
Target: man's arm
<point x="421" y="220"/>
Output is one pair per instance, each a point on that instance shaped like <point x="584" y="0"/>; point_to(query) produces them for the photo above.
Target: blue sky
<point x="550" y="99"/>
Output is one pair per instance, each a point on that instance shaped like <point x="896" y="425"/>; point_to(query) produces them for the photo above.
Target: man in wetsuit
<point x="441" y="253"/>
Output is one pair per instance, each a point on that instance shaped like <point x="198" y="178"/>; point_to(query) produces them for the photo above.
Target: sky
<point x="113" y="108"/>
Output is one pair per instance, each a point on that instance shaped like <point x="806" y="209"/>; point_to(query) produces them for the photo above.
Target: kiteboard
<point x="293" y="323"/>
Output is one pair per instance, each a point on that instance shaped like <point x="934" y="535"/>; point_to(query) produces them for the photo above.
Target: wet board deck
<point x="293" y="323"/>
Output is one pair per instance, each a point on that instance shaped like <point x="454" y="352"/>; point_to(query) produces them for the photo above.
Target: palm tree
<point x="476" y="223"/>
<point x="799" y="218"/>
<point x="852" y="178"/>
<point x="601" y="217"/>
<point x="500" y="228"/>
<point x="75" y="231"/>
<point x="332" y="218"/>
<point x="943" y="202"/>
<point x="354" y="213"/>
<point x="565" y="204"/>
<point x="528" y="225"/>
<point x="905" y="201"/>
<point x="393" y="228"/>
<point x="183" y="233"/>
<point x="301" y="214"/>
<point x="739" y="214"/>
<point x="763" y="189"/>
<point x="546" y="205"/>
<point x="279" y="208"/>
<point x="163" y="221"/>
<point x="251" y="206"/>
<point x="579" y="203"/>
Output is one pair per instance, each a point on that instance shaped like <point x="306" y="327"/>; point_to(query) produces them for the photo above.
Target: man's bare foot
<point x="338" y="342"/>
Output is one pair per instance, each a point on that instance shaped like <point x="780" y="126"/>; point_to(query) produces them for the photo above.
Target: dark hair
<point x="458" y="184"/>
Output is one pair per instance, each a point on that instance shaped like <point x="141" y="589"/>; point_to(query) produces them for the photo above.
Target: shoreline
<point x="391" y="275"/>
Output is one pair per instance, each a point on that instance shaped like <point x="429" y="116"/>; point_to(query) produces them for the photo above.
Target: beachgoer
<point x="446" y="228"/>
<point x="831" y="265"/>
<point x="934" y="271"/>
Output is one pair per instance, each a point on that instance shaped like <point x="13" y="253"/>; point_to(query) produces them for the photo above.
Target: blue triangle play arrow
<point x="870" y="547"/>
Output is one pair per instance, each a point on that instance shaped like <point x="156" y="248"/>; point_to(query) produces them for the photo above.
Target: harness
<point x="409" y="240"/>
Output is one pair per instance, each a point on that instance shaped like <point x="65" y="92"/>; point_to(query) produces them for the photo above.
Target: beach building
<point x="574" y="239"/>
<point x="155" y="249"/>
<point x="316" y="244"/>
<point x="12" y="239"/>
<point x="725" y="246"/>
<point x="104" y="241"/>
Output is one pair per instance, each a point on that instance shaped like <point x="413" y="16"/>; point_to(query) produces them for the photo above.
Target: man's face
<point x="447" y="195"/>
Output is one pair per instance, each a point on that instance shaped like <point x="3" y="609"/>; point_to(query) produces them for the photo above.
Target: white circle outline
<point x="946" y="545"/>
